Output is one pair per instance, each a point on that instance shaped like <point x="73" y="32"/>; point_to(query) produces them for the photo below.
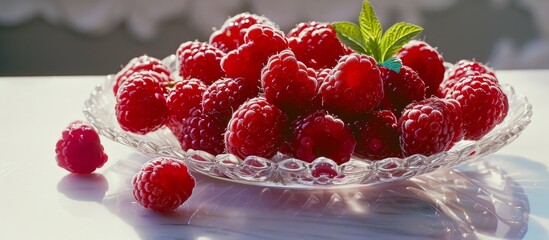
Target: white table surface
<point x="39" y="200"/>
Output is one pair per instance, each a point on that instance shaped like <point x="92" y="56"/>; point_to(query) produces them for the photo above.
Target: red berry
<point x="231" y="35"/>
<point x="79" y="149"/>
<point x="163" y="184"/>
<point x="401" y="88"/>
<point x="377" y="136"/>
<point x="426" y="61"/>
<point x="201" y="131"/>
<point x="260" y="42"/>
<point x="256" y="128"/>
<point x="321" y="135"/>
<point x="200" y="60"/>
<point x="142" y="64"/>
<point x="464" y="68"/>
<point x="185" y="97"/>
<point x="225" y="95"/>
<point x="141" y="104"/>
<point x="354" y="86"/>
<point x="288" y="83"/>
<point x="483" y="104"/>
<point x="316" y="44"/>
<point x="428" y="127"/>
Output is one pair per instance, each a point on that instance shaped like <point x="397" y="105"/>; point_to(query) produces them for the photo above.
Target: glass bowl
<point x="285" y="171"/>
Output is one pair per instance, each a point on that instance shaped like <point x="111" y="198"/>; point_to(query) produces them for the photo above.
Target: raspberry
<point x="464" y="68"/>
<point x="256" y="128"/>
<point x="316" y="44"/>
<point x="231" y="35"/>
<point x="140" y="65"/>
<point x="200" y="60"/>
<point x="426" y="61"/>
<point x="163" y="184"/>
<point x="456" y="117"/>
<point x="141" y="104"/>
<point x="225" y="95"/>
<point x="260" y="42"/>
<point x="483" y="104"/>
<point x="428" y="127"/>
<point x="202" y="132"/>
<point x="288" y="83"/>
<point x="185" y="97"/>
<point x="400" y="89"/>
<point x="377" y="136"/>
<point x="79" y="149"/>
<point x="321" y="135"/>
<point x="354" y="86"/>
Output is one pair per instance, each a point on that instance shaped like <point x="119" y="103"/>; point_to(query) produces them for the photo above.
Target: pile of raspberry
<point x="253" y="90"/>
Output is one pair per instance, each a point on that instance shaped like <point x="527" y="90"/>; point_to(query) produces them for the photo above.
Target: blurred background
<point x="83" y="37"/>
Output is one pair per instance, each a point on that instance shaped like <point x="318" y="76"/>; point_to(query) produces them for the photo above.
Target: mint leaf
<point x="393" y="63"/>
<point x="396" y="36"/>
<point x="370" y="27"/>
<point x="349" y="34"/>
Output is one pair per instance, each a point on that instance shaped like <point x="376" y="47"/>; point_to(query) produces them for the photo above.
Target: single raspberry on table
<point x="353" y="87"/>
<point x="483" y="104"/>
<point x="428" y="127"/>
<point x="377" y="135"/>
<point x="163" y="184"/>
<point x="201" y="131"/>
<point x="288" y="83"/>
<point x="257" y="128"/>
<point x="200" y="60"/>
<point x="231" y="35"/>
<point x="79" y="149"/>
<point x="141" y="104"/>
<point x="260" y="42"/>
<point x="316" y="44"/>
<point x="321" y="135"/>
<point x="225" y="95"/>
<point x="426" y="61"/>
<point x="142" y="64"/>
<point x="462" y="69"/>
<point x="401" y="89"/>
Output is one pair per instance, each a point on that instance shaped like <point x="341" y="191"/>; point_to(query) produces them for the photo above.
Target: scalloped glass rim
<point x="284" y="171"/>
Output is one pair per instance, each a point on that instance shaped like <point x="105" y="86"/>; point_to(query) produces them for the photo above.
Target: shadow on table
<point x="472" y="201"/>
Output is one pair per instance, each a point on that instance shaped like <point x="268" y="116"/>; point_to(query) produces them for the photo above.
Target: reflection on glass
<point x="473" y="201"/>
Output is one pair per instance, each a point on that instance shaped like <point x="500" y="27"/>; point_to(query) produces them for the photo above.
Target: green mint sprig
<point x="368" y="37"/>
